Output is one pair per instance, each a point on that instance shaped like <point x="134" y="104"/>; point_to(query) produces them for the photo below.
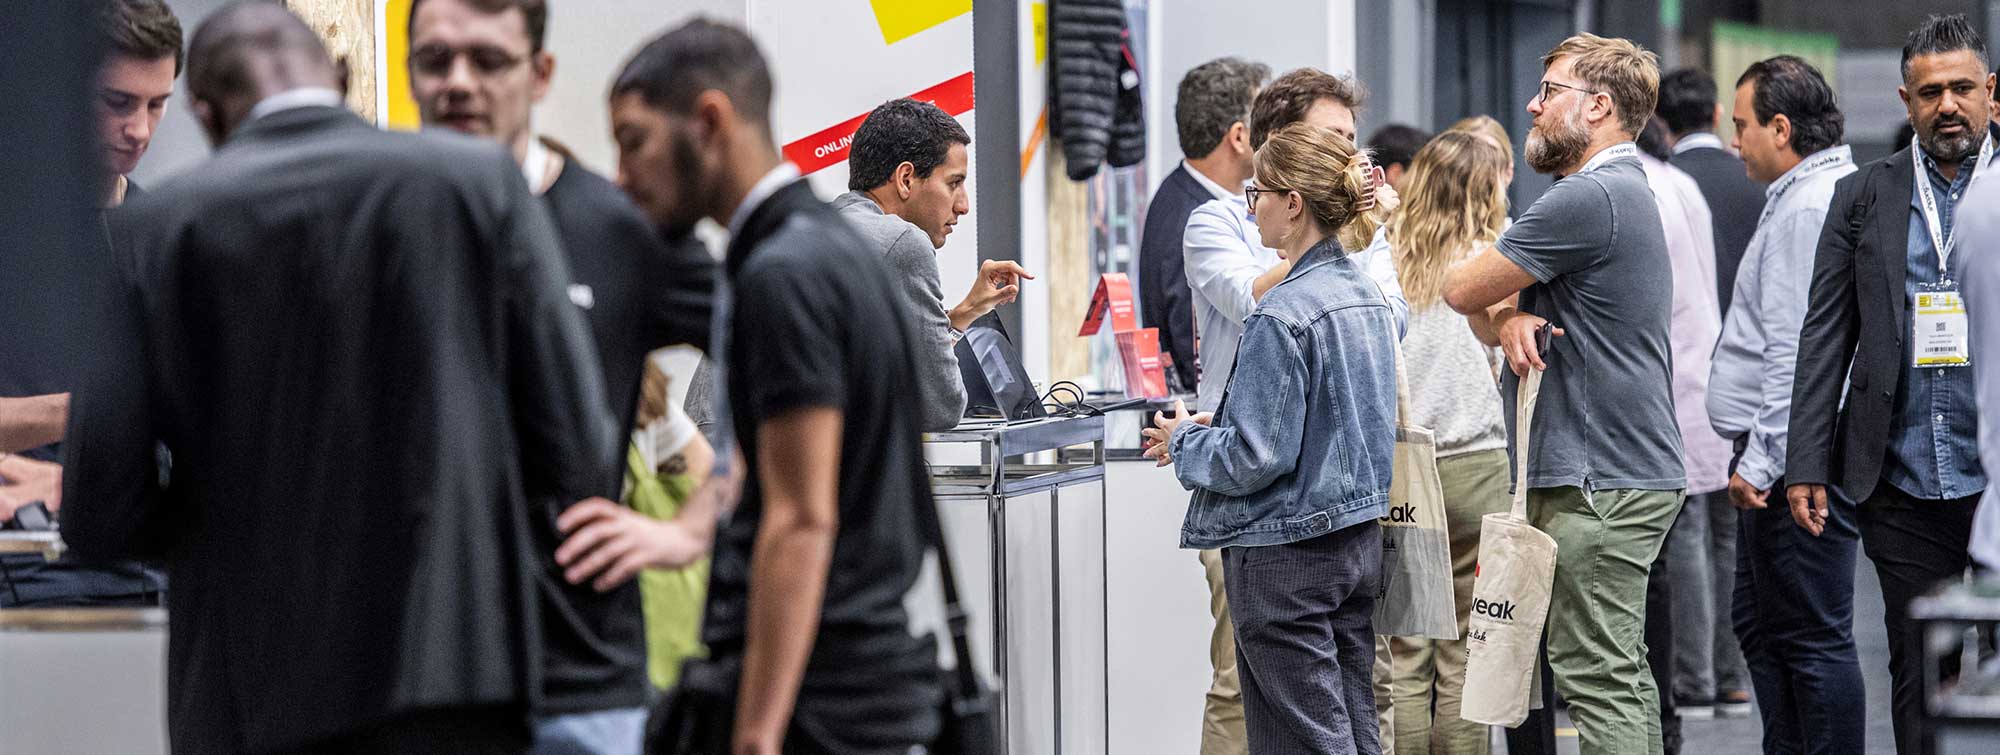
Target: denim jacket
<point x="1303" y="442"/>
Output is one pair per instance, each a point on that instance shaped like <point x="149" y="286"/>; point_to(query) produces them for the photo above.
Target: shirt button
<point x="1940" y="418"/>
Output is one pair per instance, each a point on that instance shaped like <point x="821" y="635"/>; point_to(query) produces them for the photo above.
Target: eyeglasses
<point x="437" y="60"/>
<point x="1250" y="192"/>
<point x="1549" y="88"/>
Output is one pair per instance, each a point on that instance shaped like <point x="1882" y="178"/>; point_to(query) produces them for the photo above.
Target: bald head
<point x="248" y="51"/>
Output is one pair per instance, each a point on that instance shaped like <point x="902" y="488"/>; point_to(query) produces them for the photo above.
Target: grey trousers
<point x="1707" y="658"/>
<point x="1305" y="641"/>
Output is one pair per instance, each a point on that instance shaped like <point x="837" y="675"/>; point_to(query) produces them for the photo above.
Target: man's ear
<point x="1717" y="123"/>
<point x="1239" y="136"/>
<point x="713" y="113"/>
<point x="209" y="116"/>
<point x="1781" y="131"/>
<point x="544" y="67"/>
<point x="905" y="179"/>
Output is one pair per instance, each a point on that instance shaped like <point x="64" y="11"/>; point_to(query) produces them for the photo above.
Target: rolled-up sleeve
<point x="1219" y="268"/>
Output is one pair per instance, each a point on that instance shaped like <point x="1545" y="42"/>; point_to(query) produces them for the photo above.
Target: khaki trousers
<point x="1430" y="674"/>
<point x="1222" y="730"/>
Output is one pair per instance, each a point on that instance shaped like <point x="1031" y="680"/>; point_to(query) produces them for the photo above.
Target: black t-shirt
<point x="814" y="327"/>
<point x="639" y="294"/>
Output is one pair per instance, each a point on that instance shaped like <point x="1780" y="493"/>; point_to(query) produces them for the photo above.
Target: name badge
<point x="1941" y="336"/>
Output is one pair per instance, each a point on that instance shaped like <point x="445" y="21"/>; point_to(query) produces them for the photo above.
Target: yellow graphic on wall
<point x="902" y="19"/>
<point x="1039" y="12"/>
<point x="398" y="106"/>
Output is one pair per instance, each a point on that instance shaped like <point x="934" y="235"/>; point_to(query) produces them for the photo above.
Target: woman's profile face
<point x="1268" y="207"/>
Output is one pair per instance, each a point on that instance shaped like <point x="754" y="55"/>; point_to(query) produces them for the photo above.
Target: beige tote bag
<point x="1510" y="595"/>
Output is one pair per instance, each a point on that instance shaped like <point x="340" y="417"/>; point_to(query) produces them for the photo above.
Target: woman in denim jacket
<point x="1292" y="472"/>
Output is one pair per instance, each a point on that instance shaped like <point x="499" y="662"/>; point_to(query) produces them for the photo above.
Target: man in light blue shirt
<point x="1794" y="602"/>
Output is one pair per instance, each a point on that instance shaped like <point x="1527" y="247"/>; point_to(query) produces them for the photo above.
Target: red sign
<point x="1113" y="297"/>
<point x="1144" y="375"/>
<point x="828" y="147"/>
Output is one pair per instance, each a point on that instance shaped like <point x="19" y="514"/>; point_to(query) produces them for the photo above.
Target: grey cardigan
<point x="913" y="261"/>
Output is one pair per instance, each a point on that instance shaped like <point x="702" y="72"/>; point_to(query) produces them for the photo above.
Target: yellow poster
<point x="902" y="19"/>
<point x="392" y="34"/>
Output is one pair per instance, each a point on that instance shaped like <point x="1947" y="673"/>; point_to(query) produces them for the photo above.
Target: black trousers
<point x="1915" y="544"/>
<point x="1660" y="644"/>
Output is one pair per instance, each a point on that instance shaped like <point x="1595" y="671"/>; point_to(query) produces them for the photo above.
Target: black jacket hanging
<point x="1094" y="89"/>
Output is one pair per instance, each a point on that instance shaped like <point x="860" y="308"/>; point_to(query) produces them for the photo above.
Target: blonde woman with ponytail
<point x="1454" y="203"/>
<point x="1292" y="470"/>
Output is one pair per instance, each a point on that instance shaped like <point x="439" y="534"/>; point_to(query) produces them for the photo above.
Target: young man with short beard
<point x="1604" y="472"/>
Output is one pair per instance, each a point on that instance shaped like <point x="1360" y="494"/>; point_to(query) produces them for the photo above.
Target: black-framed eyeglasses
<point x="1548" y="90"/>
<point x="1250" y="192"/>
<point x="436" y="60"/>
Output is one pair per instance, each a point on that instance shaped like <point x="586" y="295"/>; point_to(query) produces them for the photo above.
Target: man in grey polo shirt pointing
<point x="1604" y="466"/>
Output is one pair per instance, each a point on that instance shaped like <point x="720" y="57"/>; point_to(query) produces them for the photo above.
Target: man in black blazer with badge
<point x="1884" y="302"/>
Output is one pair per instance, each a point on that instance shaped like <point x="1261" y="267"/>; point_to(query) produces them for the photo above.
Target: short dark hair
<point x="1939" y="34"/>
<point x="534" y="12"/>
<point x="145" y="29"/>
<point x="1687" y="101"/>
<point x="1287" y="100"/>
<point x="695" y="57"/>
<point x="1212" y="97"/>
<point x="1789" y="85"/>
<point x="1397" y="144"/>
<point x="1652" y="139"/>
<point x="896" y="132"/>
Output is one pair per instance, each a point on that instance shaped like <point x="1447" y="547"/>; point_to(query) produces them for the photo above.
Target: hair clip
<point x="1371" y="177"/>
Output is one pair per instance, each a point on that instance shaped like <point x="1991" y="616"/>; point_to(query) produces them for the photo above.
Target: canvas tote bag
<point x="1415" y="598"/>
<point x="1510" y="595"/>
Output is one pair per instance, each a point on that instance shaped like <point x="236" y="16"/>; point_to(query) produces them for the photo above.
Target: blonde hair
<point x="1331" y="175"/>
<point x="1617" y="67"/>
<point x="1452" y="201"/>
<point x="1484" y="125"/>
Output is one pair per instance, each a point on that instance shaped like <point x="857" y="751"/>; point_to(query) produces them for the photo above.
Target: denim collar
<point x="1327" y="250"/>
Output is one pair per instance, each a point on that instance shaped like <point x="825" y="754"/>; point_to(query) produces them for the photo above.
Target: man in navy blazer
<point x="1212" y="115"/>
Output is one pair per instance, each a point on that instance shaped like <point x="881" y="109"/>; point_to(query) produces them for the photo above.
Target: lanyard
<point x="1928" y="204"/>
<point x="1828" y="158"/>
<point x="536" y="166"/>
<point x="1626" y="149"/>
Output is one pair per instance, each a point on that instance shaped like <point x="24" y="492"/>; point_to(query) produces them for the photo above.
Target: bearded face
<point x="1558" y="138"/>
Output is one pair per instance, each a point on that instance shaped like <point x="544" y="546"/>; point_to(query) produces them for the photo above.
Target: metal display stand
<point x="1960" y="716"/>
<point x="1003" y="473"/>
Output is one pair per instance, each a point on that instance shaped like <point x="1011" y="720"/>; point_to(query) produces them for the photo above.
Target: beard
<point x="1558" y="147"/>
<point x="1952" y="149"/>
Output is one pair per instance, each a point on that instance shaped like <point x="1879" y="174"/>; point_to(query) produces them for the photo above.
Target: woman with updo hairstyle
<point x="1291" y="473"/>
<point x="1454" y="204"/>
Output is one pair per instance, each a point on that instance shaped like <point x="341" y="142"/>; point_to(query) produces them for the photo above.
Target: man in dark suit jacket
<point x="359" y="348"/>
<point x="1904" y="443"/>
<point x="1687" y="104"/>
<point x="1212" y="116"/>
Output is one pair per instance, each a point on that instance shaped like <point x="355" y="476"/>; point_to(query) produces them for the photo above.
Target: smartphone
<point x="1543" y="335"/>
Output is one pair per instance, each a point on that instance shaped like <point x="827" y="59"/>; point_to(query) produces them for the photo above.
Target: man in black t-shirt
<point x="638" y="293"/>
<point x="132" y="88"/>
<point x="810" y="572"/>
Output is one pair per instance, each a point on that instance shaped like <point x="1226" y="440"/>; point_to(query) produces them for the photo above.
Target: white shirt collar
<point x="1698" y="140"/>
<point x="784" y="174"/>
<point x="1817" y="161"/>
<point x="1214" y="188"/>
<point x="292" y="99"/>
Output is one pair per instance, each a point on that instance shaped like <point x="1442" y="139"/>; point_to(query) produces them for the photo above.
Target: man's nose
<point x="138" y="129"/>
<point x="460" y="79"/>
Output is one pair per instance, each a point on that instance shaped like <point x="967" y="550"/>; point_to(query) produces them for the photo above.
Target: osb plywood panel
<point x="1068" y="277"/>
<point x="348" y="26"/>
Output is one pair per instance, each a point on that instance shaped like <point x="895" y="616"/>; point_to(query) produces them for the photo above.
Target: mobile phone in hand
<point x="1543" y="335"/>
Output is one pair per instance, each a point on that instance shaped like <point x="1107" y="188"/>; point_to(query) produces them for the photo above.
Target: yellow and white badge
<point x="1940" y="337"/>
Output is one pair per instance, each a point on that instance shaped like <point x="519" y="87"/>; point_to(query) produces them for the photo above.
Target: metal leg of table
<point x="996" y="518"/>
<point x="1055" y="607"/>
<point x="1104" y="574"/>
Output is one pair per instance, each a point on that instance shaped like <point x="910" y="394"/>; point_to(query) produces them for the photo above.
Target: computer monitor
<point x="996" y="383"/>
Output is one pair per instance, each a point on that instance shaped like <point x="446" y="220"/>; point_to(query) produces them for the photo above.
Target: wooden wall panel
<point x="348" y="27"/>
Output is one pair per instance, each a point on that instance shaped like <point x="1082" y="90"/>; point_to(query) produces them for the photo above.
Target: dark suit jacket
<point x="1734" y="200"/>
<point x="360" y="349"/>
<point x="1164" y="300"/>
<point x="1856" y="315"/>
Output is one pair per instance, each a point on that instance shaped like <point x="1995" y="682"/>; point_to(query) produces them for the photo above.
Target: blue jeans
<point x="619" y="731"/>
<point x="1794" y="614"/>
<point x="1305" y="641"/>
